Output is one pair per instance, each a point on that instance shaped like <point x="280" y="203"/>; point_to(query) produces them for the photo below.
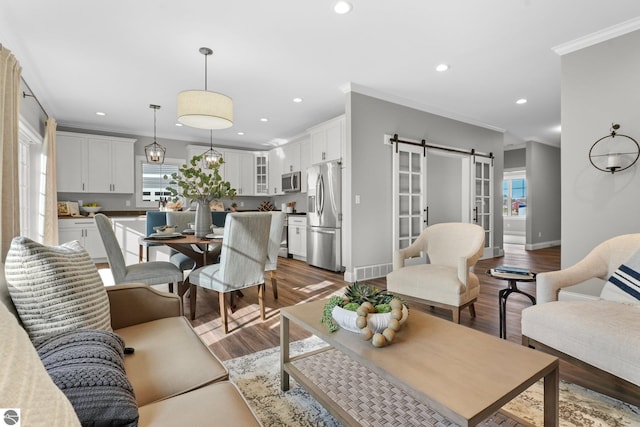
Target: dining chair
<point x="446" y="280"/>
<point x="150" y="273"/>
<point x="275" y="238"/>
<point x="242" y="261"/>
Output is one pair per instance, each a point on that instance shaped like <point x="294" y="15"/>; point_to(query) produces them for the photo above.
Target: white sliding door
<point x="443" y="186"/>
<point x="409" y="169"/>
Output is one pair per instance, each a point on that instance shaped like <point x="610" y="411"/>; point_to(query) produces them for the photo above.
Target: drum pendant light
<point x="154" y="152"/>
<point x="203" y="109"/>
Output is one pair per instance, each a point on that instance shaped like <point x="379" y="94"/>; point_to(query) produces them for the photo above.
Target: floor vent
<point x="372" y="271"/>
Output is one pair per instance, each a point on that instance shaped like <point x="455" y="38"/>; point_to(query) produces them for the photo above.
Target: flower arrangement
<point x="195" y="183"/>
<point x="375" y="314"/>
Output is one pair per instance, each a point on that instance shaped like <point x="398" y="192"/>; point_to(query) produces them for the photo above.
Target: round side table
<point x="503" y="294"/>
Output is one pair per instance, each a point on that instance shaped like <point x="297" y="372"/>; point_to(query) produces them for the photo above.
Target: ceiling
<point x="119" y="56"/>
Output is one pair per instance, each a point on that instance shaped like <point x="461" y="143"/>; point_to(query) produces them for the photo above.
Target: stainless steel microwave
<point x="291" y="182"/>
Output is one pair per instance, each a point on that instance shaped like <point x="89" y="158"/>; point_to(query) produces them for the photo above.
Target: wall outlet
<point x="539" y="233"/>
<point x="241" y="204"/>
<point x="357" y="199"/>
<point x="127" y="203"/>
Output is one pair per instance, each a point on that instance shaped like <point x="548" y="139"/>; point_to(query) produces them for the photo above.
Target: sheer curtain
<point x="9" y="117"/>
<point x="48" y="198"/>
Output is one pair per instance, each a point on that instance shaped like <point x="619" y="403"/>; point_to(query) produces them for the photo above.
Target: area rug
<point x="258" y="377"/>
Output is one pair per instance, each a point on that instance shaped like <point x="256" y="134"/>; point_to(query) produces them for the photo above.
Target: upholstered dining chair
<point x="242" y="261"/>
<point x="181" y="220"/>
<point x="150" y="273"/>
<point x="446" y="280"/>
<point x="275" y="238"/>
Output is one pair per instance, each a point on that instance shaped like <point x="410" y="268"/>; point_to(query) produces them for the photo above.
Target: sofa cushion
<point x="55" y="288"/>
<point x="601" y="333"/>
<point x="624" y="283"/>
<point x="442" y="286"/>
<point x="223" y="399"/>
<point x="88" y="366"/>
<point x="169" y="359"/>
<point x="24" y="383"/>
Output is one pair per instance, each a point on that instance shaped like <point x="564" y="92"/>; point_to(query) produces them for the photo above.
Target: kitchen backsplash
<point x="118" y="202"/>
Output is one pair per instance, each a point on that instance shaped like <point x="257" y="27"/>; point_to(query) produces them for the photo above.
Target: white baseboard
<point x="368" y="272"/>
<point x="541" y="245"/>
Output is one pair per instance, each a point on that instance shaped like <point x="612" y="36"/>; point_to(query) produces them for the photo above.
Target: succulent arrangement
<point x="365" y="299"/>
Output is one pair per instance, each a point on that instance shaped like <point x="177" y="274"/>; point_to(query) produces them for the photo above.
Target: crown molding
<point x="363" y="90"/>
<point x="598" y="37"/>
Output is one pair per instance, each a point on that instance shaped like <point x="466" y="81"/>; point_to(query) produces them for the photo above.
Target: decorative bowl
<point x="164" y="229"/>
<point x="91" y="209"/>
<point x="376" y="321"/>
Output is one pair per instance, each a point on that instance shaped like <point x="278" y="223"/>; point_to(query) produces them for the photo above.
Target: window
<point x="154" y="184"/>
<point x="514" y="194"/>
<point x="30" y="181"/>
<point x="150" y="182"/>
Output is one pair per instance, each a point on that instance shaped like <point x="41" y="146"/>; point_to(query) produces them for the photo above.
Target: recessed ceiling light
<point x="264" y="119"/>
<point x="297" y="100"/>
<point x="100" y="113"/>
<point x="179" y="124"/>
<point x="240" y="133"/>
<point x="342" y="7"/>
<point x="442" y="67"/>
<point x="521" y="101"/>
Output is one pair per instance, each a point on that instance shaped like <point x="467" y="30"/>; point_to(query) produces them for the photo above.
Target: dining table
<point x="203" y="250"/>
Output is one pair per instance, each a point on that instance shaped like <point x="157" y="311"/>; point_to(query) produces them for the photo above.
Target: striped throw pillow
<point x="624" y="283"/>
<point x="55" y="288"/>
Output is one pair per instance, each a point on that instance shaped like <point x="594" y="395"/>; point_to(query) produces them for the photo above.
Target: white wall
<point x="370" y="168"/>
<point x="600" y="86"/>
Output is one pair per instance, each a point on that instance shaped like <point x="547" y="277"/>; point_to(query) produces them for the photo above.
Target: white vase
<point x="378" y="322"/>
<point x="203" y="219"/>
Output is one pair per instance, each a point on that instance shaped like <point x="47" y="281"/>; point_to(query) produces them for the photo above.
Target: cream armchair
<point x="446" y="281"/>
<point x="600" y="263"/>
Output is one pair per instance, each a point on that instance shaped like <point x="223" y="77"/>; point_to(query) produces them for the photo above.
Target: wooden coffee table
<point x="464" y="375"/>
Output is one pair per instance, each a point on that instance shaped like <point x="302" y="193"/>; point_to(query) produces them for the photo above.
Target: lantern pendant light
<point x="203" y="109"/>
<point x="155" y="152"/>
<point x="211" y="156"/>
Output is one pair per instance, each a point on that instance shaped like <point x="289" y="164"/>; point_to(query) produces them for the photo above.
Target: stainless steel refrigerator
<point x="324" y="216"/>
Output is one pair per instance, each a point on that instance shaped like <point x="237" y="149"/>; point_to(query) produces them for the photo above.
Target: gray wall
<point x="370" y="168"/>
<point x="515" y="159"/>
<point x="599" y="86"/>
<point x="543" y="195"/>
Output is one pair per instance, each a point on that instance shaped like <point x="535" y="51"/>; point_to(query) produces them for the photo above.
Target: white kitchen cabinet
<point x="239" y="171"/>
<point x="327" y="140"/>
<point x="84" y="231"/>
<point x="305" y="162"/>
<point x="94" y="164"/>
<point x="291" y="157"/>
<point x="261" y="174"/>
<point x="276" y="161"/>
<point x="71" y="167"/>
<point x="297" y="237"/>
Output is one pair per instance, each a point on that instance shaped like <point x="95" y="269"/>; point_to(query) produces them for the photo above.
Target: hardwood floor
<point x="299" y="282"/>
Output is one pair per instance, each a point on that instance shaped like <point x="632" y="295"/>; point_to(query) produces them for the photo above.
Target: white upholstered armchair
<point x="447" y="280"/>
